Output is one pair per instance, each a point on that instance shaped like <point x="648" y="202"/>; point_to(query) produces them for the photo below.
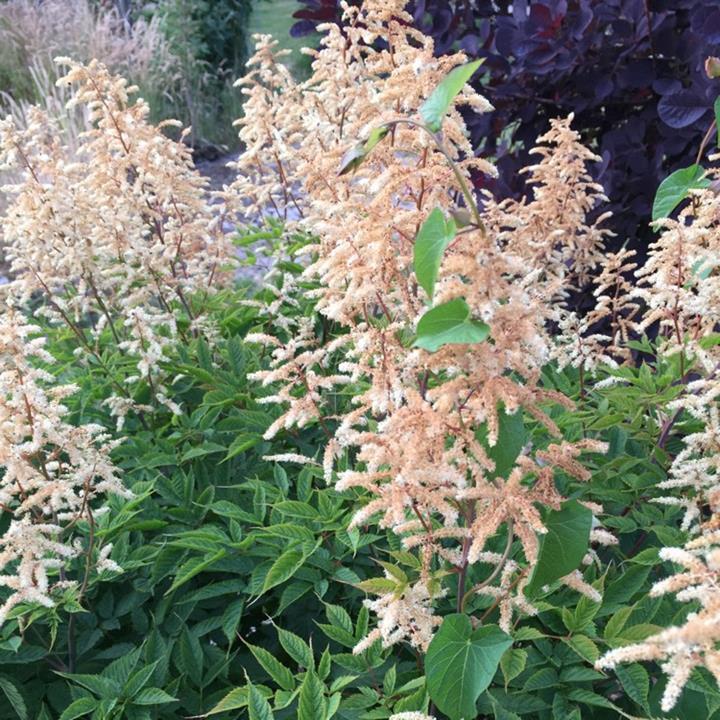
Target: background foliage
<point x="632" y="71"/>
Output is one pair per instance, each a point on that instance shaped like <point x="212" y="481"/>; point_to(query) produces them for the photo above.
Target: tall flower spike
<point x="680" y="285"/>
<point x="119" y="235"/>
<point x="53" y="473"/>
<point x="417" y="417"/>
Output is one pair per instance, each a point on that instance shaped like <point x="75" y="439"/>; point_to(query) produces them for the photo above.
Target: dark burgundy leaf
<point x="681" y="109"/>
<point x="302" y="28"/>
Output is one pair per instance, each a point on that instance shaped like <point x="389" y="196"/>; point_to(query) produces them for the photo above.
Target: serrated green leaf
<point x="153" y="696"/>
<point x="377" y="586"/>
<point x="512" y="663"/>
<point x="14" y="696"/>
<point x="284" y="567"/>
<point x="234" y="700"/>
<point x="584" y="647"/>
<point x="543" y="678"/>
<point x="274" y="668"/>
<point x="101" y="686"/>
<point x="258" y="706"/>
<point x="296" y="648"/>
<point x="207" y="448"/>
<point x="193" y="567"/>
<point x="77" y="709"/>
<point x="635" y="681"/>
<point x="311" y="705"/>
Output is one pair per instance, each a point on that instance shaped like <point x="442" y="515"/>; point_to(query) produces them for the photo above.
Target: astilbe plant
<point x="679" y="286"/>
<point x="119" y="233"/>
<point x="53" y="474"/>
<point x="420" y="438"/>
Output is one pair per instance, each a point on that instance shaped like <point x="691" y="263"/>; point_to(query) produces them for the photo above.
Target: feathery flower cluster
<point x="51" y="472"/>
<point x="119" y="234"/>
<point x="681" y="289"/>
<point x="579" y="344"/>
<point x="415" y="430"/>
<point x="553" y="226"/>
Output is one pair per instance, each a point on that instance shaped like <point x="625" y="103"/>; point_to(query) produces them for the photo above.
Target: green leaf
<point x="378" y="586"/>
<point x="352" y="159"/>
<point x="433" y="110"/>
<point x="139" y="680"/>
<point x="460" y="663"/>
<point x="311" y="705"/>
<point x="563" y="546"/>
<point x="207" y="449"/>
<point x="258" y="706"/>
<point x="375" y="136"/>
<point x="339" y="617"/>
<point x="283" y="568"/>
<point x="590" y="698"/>
<point x="449" y="324"/>
<point x="356" y="155"/>
<point x="512" y="663"/>
<point x="635" y="681"/>
<point x="544" y="678"/>
<point x="189" y="656"/>
<point x="14" y="696"/>
<point x="153" y="696"/>
<point x="431" y="242"/>
<point x="101" y="686"/>
<point x="584" y="647"/>
<point x="234" y="700"/>
<point x="77" y="709"/>
<point x="674" y="189"/>
<point x="716" y="110"/>
<point x="617" y="622"/>
<point x="296" y="648"/>
<point x="231" y="619"/>
<point x="512" y="436"/>
<point x="120" y="670"/>
<point x="527" y="633"/>
<point x="274" y="668"/>
<point x="193" y="567"/>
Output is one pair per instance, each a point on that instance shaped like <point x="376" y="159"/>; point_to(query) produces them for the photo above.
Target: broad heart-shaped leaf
<point x="433" y="110"/>
<point x="433" y="238"/>
<point x="449" y="324"/>
<point x="674" y="189"/>
<point x="563" y="546"/>
<point x="460" y="663"/>
<point x="681" y="108"/>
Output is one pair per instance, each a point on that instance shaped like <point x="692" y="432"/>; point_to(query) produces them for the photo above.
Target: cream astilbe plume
<point x="413" y="428"/>
<point x="51" y="472"/>
<point x="680" y="285"/>
<point x="120" y="232"/>
<point x="551" y="230"/>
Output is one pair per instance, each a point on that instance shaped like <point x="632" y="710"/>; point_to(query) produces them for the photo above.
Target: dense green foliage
<point x="242" y="589"/>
